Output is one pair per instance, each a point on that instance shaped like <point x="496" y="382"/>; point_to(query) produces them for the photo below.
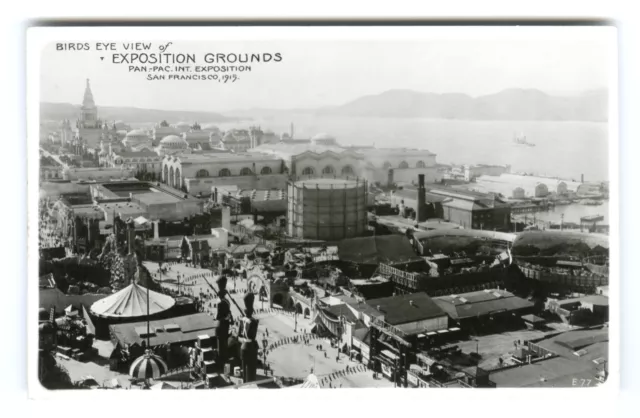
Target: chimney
<point x="422" y="200"/>
<point x="581" y="178"/>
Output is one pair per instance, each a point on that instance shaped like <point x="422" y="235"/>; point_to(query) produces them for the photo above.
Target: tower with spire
<point x="89" y="110"/>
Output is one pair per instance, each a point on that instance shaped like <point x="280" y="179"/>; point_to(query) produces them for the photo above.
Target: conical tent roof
<point x="131" y="302"/>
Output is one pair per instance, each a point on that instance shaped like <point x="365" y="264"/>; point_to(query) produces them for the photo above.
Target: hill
<point x="510" y="104"/>
<point x="59" y="111"/>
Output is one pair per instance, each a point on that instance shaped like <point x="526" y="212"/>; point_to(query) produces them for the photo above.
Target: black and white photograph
<point x="322" y="207"/>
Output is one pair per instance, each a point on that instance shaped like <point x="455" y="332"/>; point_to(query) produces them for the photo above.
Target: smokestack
<point x="581" y="178"/>
<point x="422" y="200"/>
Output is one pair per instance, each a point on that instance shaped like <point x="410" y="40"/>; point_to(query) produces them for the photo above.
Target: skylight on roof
<point x="581" y="352"/>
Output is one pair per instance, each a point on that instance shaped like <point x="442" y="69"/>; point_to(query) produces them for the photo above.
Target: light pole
<point x="295" y="318"/>
<point x="264" y="354"/>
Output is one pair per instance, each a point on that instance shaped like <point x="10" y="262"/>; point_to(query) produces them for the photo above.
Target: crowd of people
<point x="333" y="378"/>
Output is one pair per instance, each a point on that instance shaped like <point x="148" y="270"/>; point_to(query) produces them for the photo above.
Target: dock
<point x="592" y="218"/>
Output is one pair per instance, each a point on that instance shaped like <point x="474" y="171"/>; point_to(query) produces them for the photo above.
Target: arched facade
<point x="224" y="173"/>
<point x="308" y="171"/>
<point x="348" y="170"/>
<point x="165" y="174"/>
<point x="420" y="164"/>
<point x="278" y="299"/>
<point x="202" y="173"/>
<point x="328" y="170"/>
<point x="386" y="165"/>
<point x="266" y="170"/>
<point x="171" y="177"/>
<point x="245" y="171"/>
<point x="178" y="181"/>
<point x="403" y="164"/>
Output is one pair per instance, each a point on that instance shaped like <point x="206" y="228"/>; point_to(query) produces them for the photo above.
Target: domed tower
<point x="255" y="135"/>
<point x="89" y="110"/>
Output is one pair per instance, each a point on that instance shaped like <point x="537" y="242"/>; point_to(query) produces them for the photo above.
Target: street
<point x="288" y="359"/>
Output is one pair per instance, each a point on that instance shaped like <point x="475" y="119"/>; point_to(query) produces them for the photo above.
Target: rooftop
<point x="327" y="183"/>
<point x="166" y="331"/>
<point x="387" y="249"/>
<point x="222" y="157"/>
<point x="555" y="372"/>
<point x="591" y="343"/>
<point x="136" y="154"/>
<point x="156" y="198"/>
<point x="403" y="309"/>
<point x="413" y="194"/>
<point x="341" y="310"/>
<point x="600" y="300"/>
<point x="125" y="209"/>
<point x="483" y="302"/>
<point x="298" y="147"/>
<point x="265" y="194"/>
<point x="391" y="151"/>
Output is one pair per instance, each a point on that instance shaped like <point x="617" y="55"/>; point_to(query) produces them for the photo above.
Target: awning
<point x="443" y="331"/>
<point x="389" y="354"/>
<point x="431" y="333"/>
<point x="454" y="329"/>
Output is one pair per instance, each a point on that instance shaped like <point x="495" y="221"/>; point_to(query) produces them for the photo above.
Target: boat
<point x="590" y="202"/>
<point x="522" y="140"/>
<point x="592" y="218"/>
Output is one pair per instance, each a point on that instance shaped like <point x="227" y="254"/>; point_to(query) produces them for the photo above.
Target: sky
<point x="321" y="72"/>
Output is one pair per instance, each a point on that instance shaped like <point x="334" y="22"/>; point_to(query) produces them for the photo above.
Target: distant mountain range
<point x="59" y="111"/>
<point x="510" y="104"/>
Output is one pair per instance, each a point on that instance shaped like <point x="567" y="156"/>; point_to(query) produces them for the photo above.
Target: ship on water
<point x="522" y="140"/>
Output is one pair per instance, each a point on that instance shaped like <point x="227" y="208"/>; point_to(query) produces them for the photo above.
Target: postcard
<point x="322" y="207"/>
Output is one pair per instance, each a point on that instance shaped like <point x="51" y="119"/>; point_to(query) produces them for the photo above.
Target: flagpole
<point x="148" y="338"/>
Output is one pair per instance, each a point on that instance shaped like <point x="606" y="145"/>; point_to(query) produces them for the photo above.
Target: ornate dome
<point x="173" y="141"/>
<point x="183" y="124"/>
<point x="136" y="132"/>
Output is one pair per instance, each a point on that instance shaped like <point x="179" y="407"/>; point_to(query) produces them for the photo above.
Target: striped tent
<point x="148" y="366"/>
